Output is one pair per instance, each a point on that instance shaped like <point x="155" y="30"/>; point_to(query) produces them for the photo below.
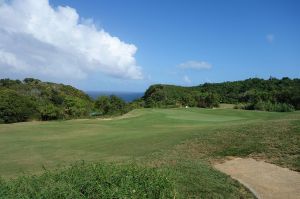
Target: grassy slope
<point x="183" y="140"/>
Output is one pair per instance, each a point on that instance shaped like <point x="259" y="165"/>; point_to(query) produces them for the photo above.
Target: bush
<point x="136" y="104"/>
<point x="208" y="100"/>
<point x="92" y="181"/>
<point x="50" y="112"/>
<point x="111" y="105"/>
<point x="15" y="108"/>
<point x="240" y="106"/>
<point x="266" y="106"/>
<point x="275" y="107"/>
<point x="102" y="104"/>
<point x="75" y="107"/>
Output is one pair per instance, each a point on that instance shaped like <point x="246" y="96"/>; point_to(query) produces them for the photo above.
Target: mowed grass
<point x="185" y="141"/>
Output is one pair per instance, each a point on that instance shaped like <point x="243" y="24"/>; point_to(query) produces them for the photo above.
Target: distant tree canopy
<point x="281" y="93"/>
<point x="111" y="105"/>
<point x="34" y="99"/>
<point x="176" y="96"/>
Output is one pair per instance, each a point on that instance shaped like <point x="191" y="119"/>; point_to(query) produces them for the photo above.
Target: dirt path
<point x="265" y="180"/>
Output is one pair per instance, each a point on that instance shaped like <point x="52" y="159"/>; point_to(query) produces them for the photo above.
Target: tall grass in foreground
<point x="83" y="180"/>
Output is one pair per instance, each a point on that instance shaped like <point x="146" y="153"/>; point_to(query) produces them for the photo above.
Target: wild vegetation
<point x="111" y="105"/>
<point x="181" y="143"/>
<point x="259" y="94"/>
<point x="32" y="99"/>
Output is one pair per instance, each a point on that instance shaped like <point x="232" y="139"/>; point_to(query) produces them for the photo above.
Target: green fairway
<point x="152" y="136"/>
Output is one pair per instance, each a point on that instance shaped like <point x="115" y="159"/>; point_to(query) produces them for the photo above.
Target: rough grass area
<point x="92" y="181"/>
<point x="197" y="179"/>
<point x="275" y="141"/>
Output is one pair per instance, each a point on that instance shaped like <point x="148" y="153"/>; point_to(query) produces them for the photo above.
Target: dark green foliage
<point x="102" y="104"/>
<point x="8" y="82"/>
<point x="276" y="107"/>
<point x="254" y="90"/>
<point x="136" y="104"/>
<point x="117" y="105"/>
<point x="15" y="107"/>
<point x="31" y="81"/>
<point x="34" y="99"/>
<point x="92" y="181"/>
<point x="111" y="105"/>
<point x="208" y="100"/>
<point x="50" y="112"/>
<point x="276" y="94"/>
<point x="177" y="96"/>
<point x="76" y="107"/>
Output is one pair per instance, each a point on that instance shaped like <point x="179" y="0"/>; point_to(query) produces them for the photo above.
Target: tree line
<point x="32" y="99"/>
<point x="270" y="95"/>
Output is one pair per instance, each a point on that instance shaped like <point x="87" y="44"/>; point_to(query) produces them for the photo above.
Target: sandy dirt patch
<point x="265" y="180"/>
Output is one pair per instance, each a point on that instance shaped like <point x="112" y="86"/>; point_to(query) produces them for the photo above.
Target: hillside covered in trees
<point x="34" y="99"/>
<point x="270" y="95"/>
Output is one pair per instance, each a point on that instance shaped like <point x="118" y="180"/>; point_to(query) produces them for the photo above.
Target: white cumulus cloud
<point x="197" y="65"/>
<point x="38" y="39"/>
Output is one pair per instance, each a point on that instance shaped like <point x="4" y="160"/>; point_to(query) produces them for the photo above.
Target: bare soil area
<point x="265" y="180"/>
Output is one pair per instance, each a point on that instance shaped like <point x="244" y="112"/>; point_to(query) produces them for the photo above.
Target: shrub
<point x="208" y="100"/>
<point x="111" y="105"/>
<point x="240" y="106"/>
<point x="266" y="106"/>
<point x="100" y="180"/>
<point x="15" y="107"/>
<point x="76" y="107"/>
<point x="50" y="112"/>
<point x="136" y="104"/>
<point x="276" y="107"/>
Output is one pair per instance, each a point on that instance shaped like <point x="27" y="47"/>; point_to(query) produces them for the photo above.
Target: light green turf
<point x="27" y="147"/>
<point x="182" y="141"/>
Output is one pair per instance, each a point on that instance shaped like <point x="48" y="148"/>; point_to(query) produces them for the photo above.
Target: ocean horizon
<point x="126" y="96"/>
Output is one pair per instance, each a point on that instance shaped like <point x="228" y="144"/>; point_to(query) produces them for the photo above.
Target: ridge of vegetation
<point x="280" y="95"/>
<point x="32" y="99"/>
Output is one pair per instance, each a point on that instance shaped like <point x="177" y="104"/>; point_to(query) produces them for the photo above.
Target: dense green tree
<point x="76" y="107"/>
<point x="31" y="81"/>
<point x="136" y="104"/>
<point x="15" y="107"/>
<point x="102" y="104"/>
<point x="50" y="112"/>
<point x="111" y="105"/>
<point x="56" y="97"/>
<point x="117" y="105"/>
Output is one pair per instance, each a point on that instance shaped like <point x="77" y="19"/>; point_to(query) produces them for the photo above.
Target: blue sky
<point x="192" y="42"/>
